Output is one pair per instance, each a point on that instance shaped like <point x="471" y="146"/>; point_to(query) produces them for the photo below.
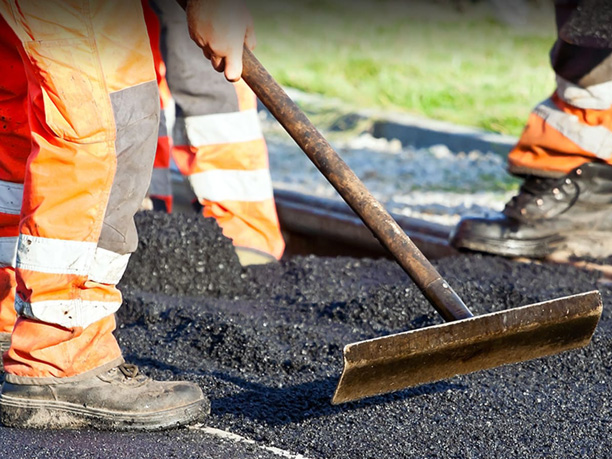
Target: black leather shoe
<point x="572" y="213"/>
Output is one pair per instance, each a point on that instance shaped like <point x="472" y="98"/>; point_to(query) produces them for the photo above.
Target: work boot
<point x="117" y="399"/>
<point x="572" y="214"/>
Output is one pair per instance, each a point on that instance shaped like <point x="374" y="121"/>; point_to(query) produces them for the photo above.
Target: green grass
<point x="463" y="67"/>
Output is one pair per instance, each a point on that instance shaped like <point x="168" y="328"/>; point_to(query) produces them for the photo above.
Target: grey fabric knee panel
<point x="136" y="112"/>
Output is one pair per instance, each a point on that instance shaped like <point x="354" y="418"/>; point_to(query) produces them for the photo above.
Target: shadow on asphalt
<point x="277" y="406"/>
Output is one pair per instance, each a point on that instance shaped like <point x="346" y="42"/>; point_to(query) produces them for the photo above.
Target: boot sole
<point x="593" y="244"/>
<point x="52" y="414"/>
<point x="533" y="248"/>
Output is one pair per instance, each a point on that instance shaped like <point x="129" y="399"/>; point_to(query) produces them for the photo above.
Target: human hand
<point x="221" y="28"/>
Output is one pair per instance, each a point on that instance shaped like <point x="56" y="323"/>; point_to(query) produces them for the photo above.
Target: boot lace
<point x="129" y="370"/>
<point x="532" y="188"/>
<point x="540" y="198"/>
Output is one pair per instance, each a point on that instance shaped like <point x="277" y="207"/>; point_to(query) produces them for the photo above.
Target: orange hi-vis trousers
<point x="80" y="110"/>
<point x="217" y="140"/>
<point x="574" y="125"/>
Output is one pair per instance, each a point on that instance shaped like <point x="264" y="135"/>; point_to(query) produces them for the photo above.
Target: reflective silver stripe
<point x="161" y="182"/>
<point x="108" y="267"/>
<point x="166" y="120"/>
<point x="169" y="115"/>
<point x="231" y="185"/>
<point x="8" y="251"/>
<point x="55" y="256"/>
<point x="594" y="139"/>
<point x="595" y="97"/>
<point x="66" y="313"/>
<point x="11" y="195"/>
<point x="222" y="128"/>
<point x="163" y="125"/>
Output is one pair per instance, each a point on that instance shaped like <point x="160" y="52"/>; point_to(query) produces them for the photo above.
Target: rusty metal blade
<point x="395" y="362"/>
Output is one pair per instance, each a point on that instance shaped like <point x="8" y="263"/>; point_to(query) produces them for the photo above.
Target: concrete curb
<point x="410" y="130"/>
<point x="422" y="133"/>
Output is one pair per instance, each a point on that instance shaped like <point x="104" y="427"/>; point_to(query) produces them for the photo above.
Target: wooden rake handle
<point x="352" y="190"/>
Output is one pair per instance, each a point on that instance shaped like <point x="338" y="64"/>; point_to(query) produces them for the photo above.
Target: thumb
<point x="233" y="65"/>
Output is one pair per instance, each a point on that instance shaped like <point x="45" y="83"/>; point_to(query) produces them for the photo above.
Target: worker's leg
<point x="574" y="125"/>
<point x="93" y="119"/>
<point x="218" y="142"/>
<point x="565" y="157"/>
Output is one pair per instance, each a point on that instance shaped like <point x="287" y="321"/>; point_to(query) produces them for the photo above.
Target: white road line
<point x="237" y="438"/>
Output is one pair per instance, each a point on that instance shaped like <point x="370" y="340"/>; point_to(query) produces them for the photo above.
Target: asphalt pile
<point x="265" y="343"/>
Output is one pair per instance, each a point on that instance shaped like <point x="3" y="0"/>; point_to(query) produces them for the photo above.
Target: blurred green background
<point x="476" y="63"/>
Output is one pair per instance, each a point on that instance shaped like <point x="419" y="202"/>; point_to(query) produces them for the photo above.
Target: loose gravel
<point x="433" y="184"/>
